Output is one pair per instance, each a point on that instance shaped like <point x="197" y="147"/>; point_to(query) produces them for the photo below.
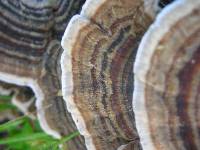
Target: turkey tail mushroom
<point x="97" y="81"/>
<point x="30" y="34"/>
<point x="167" y="86"/>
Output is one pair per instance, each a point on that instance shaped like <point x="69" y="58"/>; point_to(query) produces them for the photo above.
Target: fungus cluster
<point x="30" y="34"/>
<point x="100" y="45"/>
<point x="125" y="73"/>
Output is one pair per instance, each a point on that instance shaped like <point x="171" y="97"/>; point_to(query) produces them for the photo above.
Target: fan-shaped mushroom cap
<point x="167" y="86"/>
<point x="97" y="80"/>
<point x="30" y="33"/>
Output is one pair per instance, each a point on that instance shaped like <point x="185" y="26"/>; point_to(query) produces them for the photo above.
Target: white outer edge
<point x="157" y="30"/>
<point x="70" y="35"/>
<point x="68" y="41"/>
<point x="90" y="7"/>
<point x="23" y="81"/>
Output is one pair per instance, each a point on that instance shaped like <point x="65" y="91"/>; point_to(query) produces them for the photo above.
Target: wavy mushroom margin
<point x="150" y="40"/>
<point x="75" y="25"/>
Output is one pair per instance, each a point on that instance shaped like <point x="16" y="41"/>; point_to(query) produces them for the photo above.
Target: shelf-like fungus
<point x="97" y="80"/>
<point x="167" y="80"/>
<point x="30" y="34"/>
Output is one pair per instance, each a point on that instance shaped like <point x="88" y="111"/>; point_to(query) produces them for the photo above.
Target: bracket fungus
<point x="99" y="46"/>
<point x="30" y="34"/>
<point x="167" y="86"/>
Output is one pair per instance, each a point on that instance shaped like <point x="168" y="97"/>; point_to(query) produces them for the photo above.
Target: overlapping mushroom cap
<point x="30" y="33"/>
<point x="97" y="80"/>
<point x="167" y="80"/>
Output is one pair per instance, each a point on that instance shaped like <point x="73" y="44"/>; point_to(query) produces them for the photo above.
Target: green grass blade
<point x="24" y="138"/>
<point x="6" y="106"/>
<point x="5" y="97"/>
<point x="54" y="145"/>
<point x="12" y="123"/>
